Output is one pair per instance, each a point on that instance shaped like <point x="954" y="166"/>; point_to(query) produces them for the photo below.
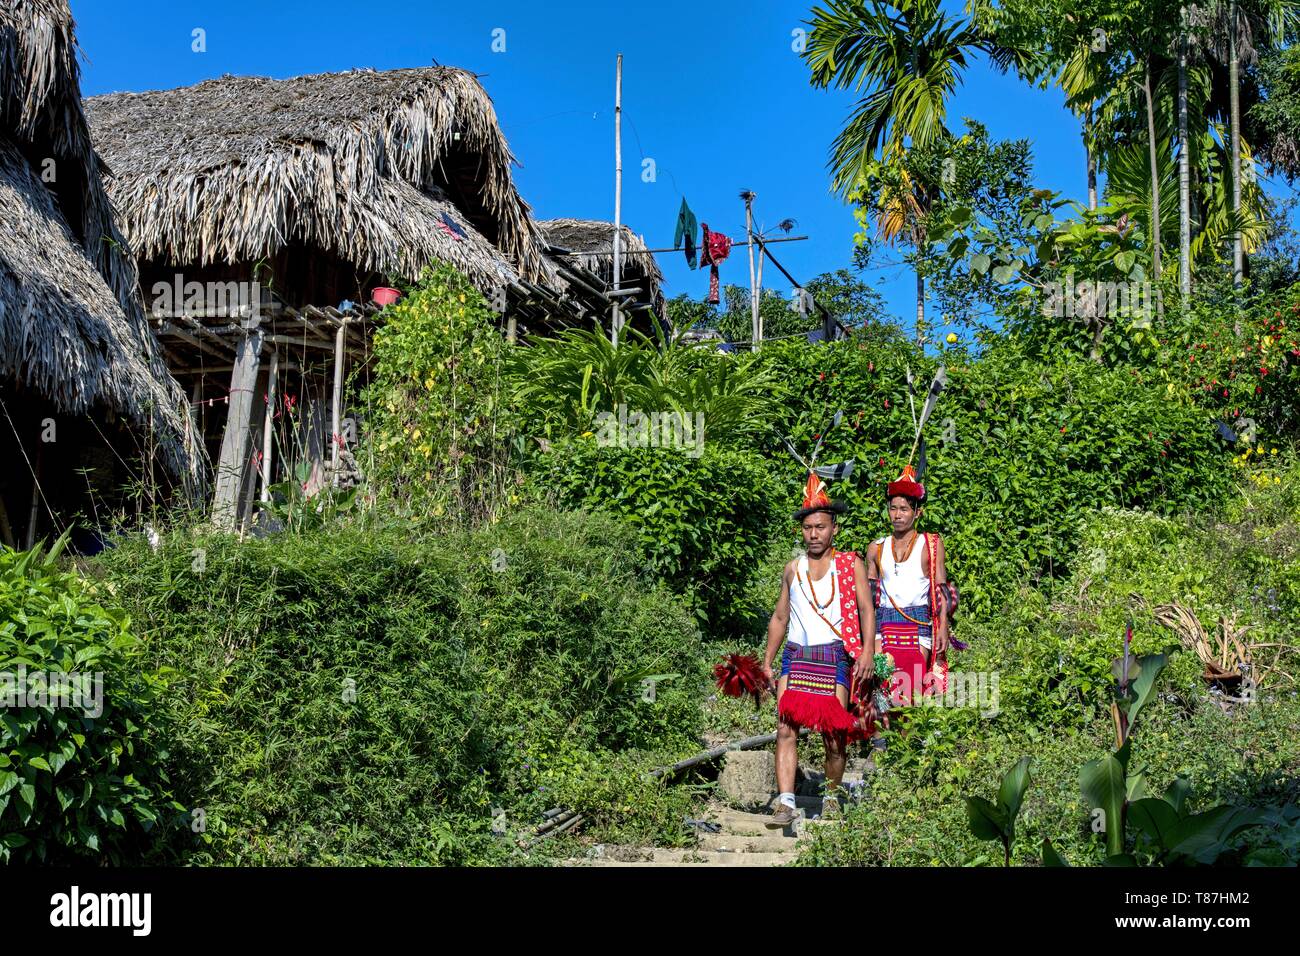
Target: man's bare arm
<point x="780" y="620"/>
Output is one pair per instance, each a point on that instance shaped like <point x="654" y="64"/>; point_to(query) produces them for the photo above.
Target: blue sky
<point x="713" y="93"/>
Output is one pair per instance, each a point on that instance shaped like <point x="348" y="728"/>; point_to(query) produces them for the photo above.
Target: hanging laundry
<point x="714" y="249"/>
<point x="686" y="223"/>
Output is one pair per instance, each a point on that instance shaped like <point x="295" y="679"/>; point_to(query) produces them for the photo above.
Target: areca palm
<point x="908" y="56"/>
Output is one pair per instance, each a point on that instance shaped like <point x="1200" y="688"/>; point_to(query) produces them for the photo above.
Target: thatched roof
<point x="592" y="243"/>
<point x="71" y="322"/>
<point x="360" y="164"/>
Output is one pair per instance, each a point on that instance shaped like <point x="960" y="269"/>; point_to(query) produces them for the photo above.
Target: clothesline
<point x="734" y="244"/>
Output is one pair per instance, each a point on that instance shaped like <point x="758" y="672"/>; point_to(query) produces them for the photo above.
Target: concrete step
<point x="740" y="822"/>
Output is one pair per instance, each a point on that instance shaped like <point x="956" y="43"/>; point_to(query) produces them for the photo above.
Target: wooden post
<point x="337" y="406"/>
<point x="1234" y="109"/>
<point x="268" y="423"/>
<point x="758" y="292"/>
<point x="617" y="322"/>
<point x="234" y="442"/>
<point x="35" y="514"/>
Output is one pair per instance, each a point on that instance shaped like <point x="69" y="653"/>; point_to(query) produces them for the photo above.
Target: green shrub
<point x="81" y="764"/>
<point x="1018" y="452"/>
<point x="704" y="522"/>
<point x="438" y="432"/>
<point x="373" y="695"/>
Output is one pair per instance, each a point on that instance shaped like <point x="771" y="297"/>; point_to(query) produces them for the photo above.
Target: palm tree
<point x="909" y="56"/>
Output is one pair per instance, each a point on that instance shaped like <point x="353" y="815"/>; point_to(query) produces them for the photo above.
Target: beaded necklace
<point x="813" y="600"/>
<point x="910" y="545"/>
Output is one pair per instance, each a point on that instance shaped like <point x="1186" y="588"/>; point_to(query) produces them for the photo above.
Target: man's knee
<point x="786" y="731"/>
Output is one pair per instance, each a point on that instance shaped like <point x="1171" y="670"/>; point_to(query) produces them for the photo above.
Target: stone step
<point x="739" y="822"/>
<point x="723" y="857"/>
<point x="742" y="860"/>
<point x="772" y="841"/>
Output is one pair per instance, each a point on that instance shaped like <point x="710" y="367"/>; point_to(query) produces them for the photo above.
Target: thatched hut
<point x="87" y="403"/>
<point x="317" y="189"/>
<point x="587" y="245"/>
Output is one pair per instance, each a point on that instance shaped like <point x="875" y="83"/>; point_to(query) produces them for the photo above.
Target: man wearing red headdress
<point x="817" y="617"/>
<point x="907" y="574"/>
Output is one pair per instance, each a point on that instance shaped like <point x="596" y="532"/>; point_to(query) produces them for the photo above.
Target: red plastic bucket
<point x="384" y="296"/>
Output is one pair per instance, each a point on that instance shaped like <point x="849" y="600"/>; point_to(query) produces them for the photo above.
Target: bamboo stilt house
<point x="297" y="198"/>
<point x="86" y="404"/>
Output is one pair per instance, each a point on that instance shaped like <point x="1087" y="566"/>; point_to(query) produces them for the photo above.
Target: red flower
<point x="871" y="366"/>
<point x="1062" y="429"/>
<point x="821" y="377"/>
<point x="886" y="403"/>
<point x="1163" y="455"/>
<point x="881" y="463"/>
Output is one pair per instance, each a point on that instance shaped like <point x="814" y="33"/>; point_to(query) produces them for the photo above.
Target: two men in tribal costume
<point x="835" y="611"/>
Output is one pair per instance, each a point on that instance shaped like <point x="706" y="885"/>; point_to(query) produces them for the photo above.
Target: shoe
<point x="831" y="808"/>
<point x="782" y="818"/>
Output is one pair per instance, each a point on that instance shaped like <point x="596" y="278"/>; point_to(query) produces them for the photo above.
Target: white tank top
<point x="904" y="581"/>
<point x="805" y="628"/>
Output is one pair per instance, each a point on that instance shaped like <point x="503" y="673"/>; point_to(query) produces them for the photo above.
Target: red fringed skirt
<point x="809" y="699"/>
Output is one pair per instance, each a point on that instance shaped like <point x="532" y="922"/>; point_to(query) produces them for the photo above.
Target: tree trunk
<point x="1155" y="186"/>
<point x="1184" y="168"/>
<point x="1234" y="91"/>
<point x="1092" y="159"/>
<point x="920" y="306"/>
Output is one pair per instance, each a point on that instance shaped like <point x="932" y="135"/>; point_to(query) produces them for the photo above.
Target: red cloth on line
<point x="713" y="249"/>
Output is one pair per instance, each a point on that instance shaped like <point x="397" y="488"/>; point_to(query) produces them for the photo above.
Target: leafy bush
<point x="1017" y="451"/>
<point x="704" y="522"/>
<point x="563" y="385"/>
<point x="438" y="429"/>
<point x="373" y="695"/>
<point x="80" y="760"/>
<point x="1052" y="656"/>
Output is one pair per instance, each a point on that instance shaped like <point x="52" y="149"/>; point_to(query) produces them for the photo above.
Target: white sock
<point x="788" y="800"/>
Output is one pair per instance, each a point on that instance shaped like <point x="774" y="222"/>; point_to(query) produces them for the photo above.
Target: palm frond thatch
<point x="71" y="322"/>
<point x="360" y="164"/>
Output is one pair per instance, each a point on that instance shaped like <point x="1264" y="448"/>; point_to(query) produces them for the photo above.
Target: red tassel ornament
<point x="739" y="675"/>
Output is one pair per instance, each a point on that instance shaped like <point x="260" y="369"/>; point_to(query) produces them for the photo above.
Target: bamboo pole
<point x="753" y="295"/>
<point x="268" y="422"/>
<point x="337" y="406"/>
<point x="617" y="322"/>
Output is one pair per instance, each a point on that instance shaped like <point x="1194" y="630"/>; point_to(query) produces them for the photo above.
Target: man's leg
<point x="787" y="761"/>
<point x="787" y="747"/>
<point x="836" y="747"/>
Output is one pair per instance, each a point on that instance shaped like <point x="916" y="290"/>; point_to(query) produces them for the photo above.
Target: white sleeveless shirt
<point x="805" y="628"/>
<point x="905" y="581"/>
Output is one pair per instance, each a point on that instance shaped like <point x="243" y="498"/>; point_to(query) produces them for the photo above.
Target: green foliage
<point x="438" y="428"/>
<point x="990" y="821"/>
<point x="1030" y="449"/>
<point x="81" y="775"/>
<point x="568" y="385"/>
<point x="373" y="695"/>
<point x="705" y="522"/>
<point x="1053" y="657"/>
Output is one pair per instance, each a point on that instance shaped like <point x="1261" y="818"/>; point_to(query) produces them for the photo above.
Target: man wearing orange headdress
<point x="817" y="617"/>
<point x="908" y="578"/>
